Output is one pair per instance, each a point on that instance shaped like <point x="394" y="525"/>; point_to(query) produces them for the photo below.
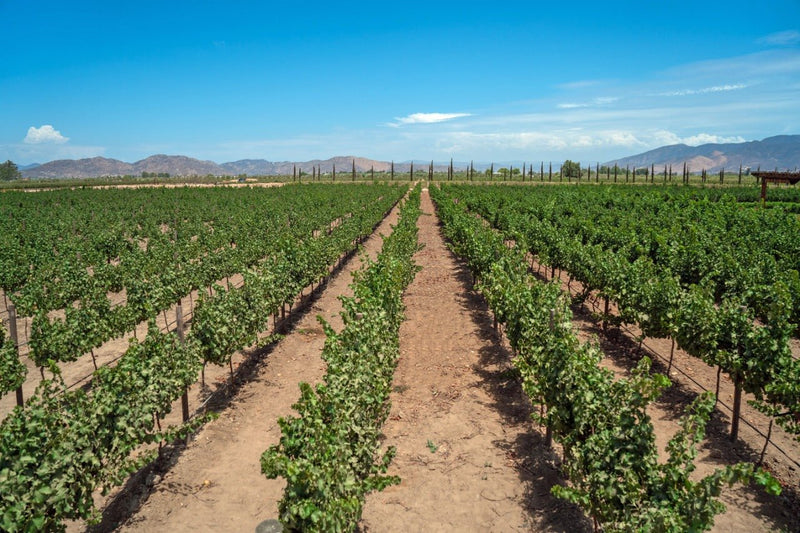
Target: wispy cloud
<point x="781" y="38"/>
<point x="663" y="137"/>
<point x="571" y="141"/>
<point x="44" y="134"/>
<point x="599" y="101"/>
<point x="706" y="90"/>
<point x="428" y="118"/>
<point x="25" y="153"/>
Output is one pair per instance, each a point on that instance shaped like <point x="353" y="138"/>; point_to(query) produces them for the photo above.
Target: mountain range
<point x="782" y="152"/>
<point x="179" y="165"/>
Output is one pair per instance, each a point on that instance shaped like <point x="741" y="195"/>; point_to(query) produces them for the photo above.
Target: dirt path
<point x="216" y="484"/>
<point x="469" y="456"/>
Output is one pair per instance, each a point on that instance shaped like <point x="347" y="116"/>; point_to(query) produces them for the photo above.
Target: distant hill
<point x="178" y="165"/>
<point x="781" y="152"/>
<point x="175" y="165"/>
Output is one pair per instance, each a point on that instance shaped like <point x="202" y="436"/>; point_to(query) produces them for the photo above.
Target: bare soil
<point x="748" y="508"/>
<point x="215" y="484"/>
<point x="469" y="456"/>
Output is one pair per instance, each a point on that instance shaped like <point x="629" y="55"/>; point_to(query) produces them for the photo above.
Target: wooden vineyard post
<point x="740" y="174"/>
<point x="722" y="175"/>
<point x="633" y="175"/>
<point x="372" y="172"/>
<point x="392" y="169"/>
<point x="597" y="173"/>
<point x="652" y="173"/>
<point x="334" y="172"/>
<point x="737" y="408"/>
<point x="671" y="355"/>
<point x="354" y="170"/>
<point x="523" y="171"/>
<point x="411" y="173"/>
<point x="179" y="329"/>
<point x="615" y="173"/>
<point x="294" y="172"/>
<point x="12" y="329"/>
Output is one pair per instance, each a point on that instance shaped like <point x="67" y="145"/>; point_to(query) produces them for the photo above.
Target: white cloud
<point x="553" y="140"/>
<point x="785" y="61"/>
<point x="24" y="154"/>
<point x="781" y="38"/>
<point x="666" y="138"/>
<point x="705" y="138"/>
<point x="706" y="90"/>
<point x="603" y="100"/>
<point x="428" y="118"/>
<point x="44" y="134"/>
<point x="599" y="101"/>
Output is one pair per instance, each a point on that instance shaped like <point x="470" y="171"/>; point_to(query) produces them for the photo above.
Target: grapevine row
<point x="63" y="445"/>
<point x="328" y="453"/>
<point x="719" y="279"/>
<point x="610" y="456"/>
<point x="154" y="279"/>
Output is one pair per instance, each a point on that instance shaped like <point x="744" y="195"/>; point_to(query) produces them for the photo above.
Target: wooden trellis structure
<point x="775" y="177"/>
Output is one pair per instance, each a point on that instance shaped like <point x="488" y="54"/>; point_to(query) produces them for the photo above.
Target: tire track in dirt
<point x="469" y="456"/>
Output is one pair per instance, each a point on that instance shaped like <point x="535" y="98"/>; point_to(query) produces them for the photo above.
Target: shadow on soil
<point x="536" y="464"/>
<point x="217" y="397"/>
<point x="783" y="511"/>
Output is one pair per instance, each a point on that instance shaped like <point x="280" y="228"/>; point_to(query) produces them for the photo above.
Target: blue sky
<point x="502" y="81"/>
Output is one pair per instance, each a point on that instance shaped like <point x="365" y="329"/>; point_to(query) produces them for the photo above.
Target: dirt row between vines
<point x="215" y="483"/>
<point x="748" y="508"/>
<point x="468" y="454"/>
<point x="459" y="420"/>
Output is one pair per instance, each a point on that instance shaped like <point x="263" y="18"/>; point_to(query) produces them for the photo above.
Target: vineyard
<point x="166" y="330"/>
